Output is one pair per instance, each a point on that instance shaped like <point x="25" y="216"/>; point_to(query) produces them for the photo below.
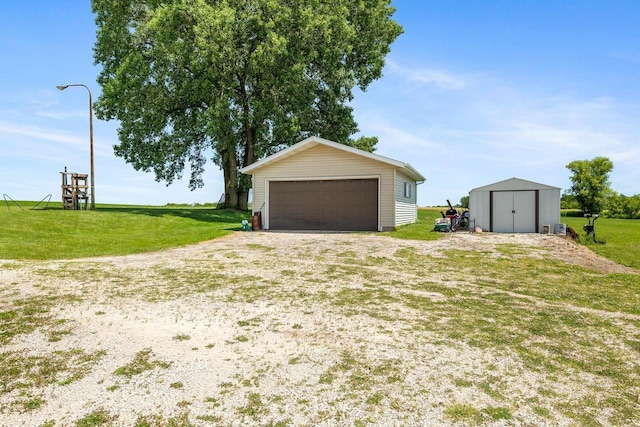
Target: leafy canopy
<point x="233" y="79"/>
<point x="590" y="183"/>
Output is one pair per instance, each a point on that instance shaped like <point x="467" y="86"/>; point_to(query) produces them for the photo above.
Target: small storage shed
<point x="319" y="184"/>
<point x="515" y="206"/>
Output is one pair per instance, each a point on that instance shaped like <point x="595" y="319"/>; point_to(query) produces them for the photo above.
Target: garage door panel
<point x="524" y="220"/>
<point x="347" y="205"/>
<point x="502" y="212"/>
<point x="513" y="211"/>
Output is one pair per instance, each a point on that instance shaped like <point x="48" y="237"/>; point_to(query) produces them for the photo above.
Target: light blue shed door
<point x="514" y="211"/>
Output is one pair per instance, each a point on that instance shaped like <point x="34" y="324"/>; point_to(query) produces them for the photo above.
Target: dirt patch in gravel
<point x="565" y="249"/>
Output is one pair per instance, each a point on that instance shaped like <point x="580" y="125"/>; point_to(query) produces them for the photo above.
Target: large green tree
<point x="234" y="80"/>
<point x="590" y="183"/>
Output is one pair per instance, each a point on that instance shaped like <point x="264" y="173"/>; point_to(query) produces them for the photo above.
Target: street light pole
<point x="93" y="193"/>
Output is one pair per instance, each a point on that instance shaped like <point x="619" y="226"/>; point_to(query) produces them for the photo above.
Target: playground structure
<point x="75" y="190"/>
<point x="75" y="193"/>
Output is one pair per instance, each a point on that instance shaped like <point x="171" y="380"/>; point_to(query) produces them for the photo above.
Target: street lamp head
<point x="62" y="87"/>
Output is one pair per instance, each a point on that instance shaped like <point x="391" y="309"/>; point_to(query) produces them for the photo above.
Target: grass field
<point x="621" y="237"/>
<point x="54" y="233"/>
<point x="420" y="230"/>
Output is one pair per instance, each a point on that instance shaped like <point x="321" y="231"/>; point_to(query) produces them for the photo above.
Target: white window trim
<point x="407" y="190"/>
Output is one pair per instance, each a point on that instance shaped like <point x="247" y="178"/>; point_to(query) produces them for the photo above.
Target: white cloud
<point x="39" y="133"/>
<point x="63" y="115"/>
<point x="392" y="136"/>
<point x="427" y="77"/>
<point x="512" y="118"/>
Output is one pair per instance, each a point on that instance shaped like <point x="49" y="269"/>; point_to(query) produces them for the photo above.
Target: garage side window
<point x="407" y="190"/>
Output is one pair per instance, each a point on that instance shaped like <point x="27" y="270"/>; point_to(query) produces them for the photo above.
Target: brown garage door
<point x="345" y="205"/>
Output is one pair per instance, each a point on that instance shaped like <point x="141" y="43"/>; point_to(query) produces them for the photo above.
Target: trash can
<point x="256" y="221"/>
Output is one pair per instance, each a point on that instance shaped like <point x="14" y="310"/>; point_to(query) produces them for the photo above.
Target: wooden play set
<point x="75" y="190"/>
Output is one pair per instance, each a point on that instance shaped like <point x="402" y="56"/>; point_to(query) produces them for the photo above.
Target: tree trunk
<point x="249" y="158"/>
<point x="230" y="195"/>
<point x="249" y="149"/>
<point x="231" y="184"/>
<point x="243" y="200"/>
<point x="236" y="185"/>
<point x="229" y="159"/>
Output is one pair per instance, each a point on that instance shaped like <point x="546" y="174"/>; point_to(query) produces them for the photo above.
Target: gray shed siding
<point x="547" y="199"/>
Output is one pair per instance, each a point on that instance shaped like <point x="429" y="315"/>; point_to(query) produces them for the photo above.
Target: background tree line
<point x="615" y="205"/>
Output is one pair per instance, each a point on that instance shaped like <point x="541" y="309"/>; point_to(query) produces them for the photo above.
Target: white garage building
<point x="515" y="206"/>
<point x="319" y="184"/>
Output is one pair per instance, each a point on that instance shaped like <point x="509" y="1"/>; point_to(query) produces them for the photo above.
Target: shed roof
<point x="515" y="184"/>
<point x="314" y="140"/>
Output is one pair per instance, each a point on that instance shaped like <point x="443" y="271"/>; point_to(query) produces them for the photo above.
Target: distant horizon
<point x="472" y="93"/>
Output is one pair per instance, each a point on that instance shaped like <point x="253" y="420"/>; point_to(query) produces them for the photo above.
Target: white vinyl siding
<point x="323" y="162"/>
<point x="406" y="207"/>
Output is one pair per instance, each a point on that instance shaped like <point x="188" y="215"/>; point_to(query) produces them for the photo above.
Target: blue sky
<point x="473" y="92"/>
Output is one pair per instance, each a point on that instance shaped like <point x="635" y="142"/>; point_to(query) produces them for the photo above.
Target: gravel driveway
<point x="269" y="329"/>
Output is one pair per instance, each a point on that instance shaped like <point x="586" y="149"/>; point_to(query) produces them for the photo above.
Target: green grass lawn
<point x="422" y="229"/>
<point x="622" y="237"/>
<point x="54" y="233"/>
